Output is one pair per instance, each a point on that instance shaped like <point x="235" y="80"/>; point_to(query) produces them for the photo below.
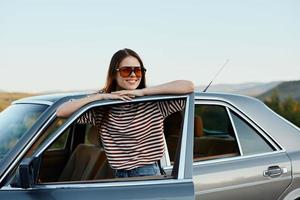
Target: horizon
<point x="62" y="45"/>
<point x="213" y="86"/>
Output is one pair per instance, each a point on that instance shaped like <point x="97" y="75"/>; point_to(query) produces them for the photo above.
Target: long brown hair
<point x="111" y="83"/>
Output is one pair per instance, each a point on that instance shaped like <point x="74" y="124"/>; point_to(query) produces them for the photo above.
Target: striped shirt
<point x="132" y="134"/>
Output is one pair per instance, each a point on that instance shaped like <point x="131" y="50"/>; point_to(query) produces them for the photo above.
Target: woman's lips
<point x="131" y="81"/>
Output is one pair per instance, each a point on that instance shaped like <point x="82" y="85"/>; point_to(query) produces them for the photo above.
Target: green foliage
<point x="284" y="90"/>
<point x="289" y="108"/>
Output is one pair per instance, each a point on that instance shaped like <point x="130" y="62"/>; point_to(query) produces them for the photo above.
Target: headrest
<point x="198" y="126"/>
<point x="93" y="135"/>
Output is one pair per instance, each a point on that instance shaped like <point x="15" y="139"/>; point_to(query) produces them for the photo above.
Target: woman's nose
<point x="132" y="74"/>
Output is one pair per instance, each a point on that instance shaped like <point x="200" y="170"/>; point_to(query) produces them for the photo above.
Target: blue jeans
<point x="146" y="170"/>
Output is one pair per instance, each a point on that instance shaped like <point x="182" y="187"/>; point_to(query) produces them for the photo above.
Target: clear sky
<point x="49" y="45"/>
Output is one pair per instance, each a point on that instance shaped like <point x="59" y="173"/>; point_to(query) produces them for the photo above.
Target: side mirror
<point x="26" y="173"/>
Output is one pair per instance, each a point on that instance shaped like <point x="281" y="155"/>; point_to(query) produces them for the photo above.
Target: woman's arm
<point x="173" y="87"/>
<point x="68" y="108"/>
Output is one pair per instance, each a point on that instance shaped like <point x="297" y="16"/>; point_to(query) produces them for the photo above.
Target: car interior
<point x="88" y="160"/>
<point x="78" y="155"/>
<point x="81" y="159"/>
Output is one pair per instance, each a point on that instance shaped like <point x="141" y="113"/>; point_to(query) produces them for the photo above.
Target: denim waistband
<point x="146" y="170"/>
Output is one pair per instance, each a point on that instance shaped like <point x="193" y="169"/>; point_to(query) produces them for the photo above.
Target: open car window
<point x="75" y="151"/>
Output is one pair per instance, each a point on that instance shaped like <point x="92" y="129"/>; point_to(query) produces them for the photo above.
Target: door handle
<point x="275" y="171"/>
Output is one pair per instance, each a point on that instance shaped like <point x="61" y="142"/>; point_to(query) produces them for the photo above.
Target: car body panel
<point x="241" y="177"/>
<point x="152" y="190"/>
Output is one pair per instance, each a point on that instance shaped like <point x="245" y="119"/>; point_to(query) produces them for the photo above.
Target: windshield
<point x="14" y="122"/>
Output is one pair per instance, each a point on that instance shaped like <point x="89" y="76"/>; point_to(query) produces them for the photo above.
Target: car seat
<point x="85" y="160"/>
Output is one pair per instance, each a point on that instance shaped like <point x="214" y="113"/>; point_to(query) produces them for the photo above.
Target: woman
<point x="132" y="134"/>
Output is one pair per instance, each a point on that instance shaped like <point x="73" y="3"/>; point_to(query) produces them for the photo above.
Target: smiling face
<point x="132" y="81"/>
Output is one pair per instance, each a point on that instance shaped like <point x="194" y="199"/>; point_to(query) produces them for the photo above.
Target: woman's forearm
<point x="173" y="87"/>
<point x="68" y="108"/>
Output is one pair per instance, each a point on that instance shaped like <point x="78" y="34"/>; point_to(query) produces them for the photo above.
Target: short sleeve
<point x="93" y="117"/>
<point x="171" y="106"/>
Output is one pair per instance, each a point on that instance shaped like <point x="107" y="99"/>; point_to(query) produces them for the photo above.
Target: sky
<point x="63" y="45"/>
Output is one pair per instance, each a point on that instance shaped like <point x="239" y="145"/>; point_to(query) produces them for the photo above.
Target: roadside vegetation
<point x="6" y="98"/>
<point x="289" y="108"/>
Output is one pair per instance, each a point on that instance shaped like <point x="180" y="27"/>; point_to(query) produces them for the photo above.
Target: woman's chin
<point x="129" y="87"/>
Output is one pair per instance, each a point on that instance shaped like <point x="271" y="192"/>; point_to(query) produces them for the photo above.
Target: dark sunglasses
<point x="126" y="71"/>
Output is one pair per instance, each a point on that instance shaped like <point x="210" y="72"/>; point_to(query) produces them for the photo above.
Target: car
<point x="220" y="146"/>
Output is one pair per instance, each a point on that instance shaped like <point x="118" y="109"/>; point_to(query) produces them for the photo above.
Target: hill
<point x="284" y="90"/>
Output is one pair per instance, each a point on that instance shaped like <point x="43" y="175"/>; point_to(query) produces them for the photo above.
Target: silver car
<point x="220" y="146"/>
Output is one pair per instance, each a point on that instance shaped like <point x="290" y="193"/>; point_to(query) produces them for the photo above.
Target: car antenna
<point x="225" y="63"/>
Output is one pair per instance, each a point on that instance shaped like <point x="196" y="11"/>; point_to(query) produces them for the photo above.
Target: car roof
<point x="253" y="108"/>
<point x="50" y="98"/>
<point x="57" y="96"/>
<point x="237" y="100"/>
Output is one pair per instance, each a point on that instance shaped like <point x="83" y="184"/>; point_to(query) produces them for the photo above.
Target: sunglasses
<point x="127" y="71"/>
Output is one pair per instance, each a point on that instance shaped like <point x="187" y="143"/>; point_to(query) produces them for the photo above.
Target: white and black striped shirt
<point x="132" y="134"/>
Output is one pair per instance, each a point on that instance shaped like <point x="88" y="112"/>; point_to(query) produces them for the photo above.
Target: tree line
<point x="289" y="108"/>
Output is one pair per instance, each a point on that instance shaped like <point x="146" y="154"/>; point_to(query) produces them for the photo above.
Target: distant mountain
<point x="250" y="89"/>
<point x="284" y="90"/>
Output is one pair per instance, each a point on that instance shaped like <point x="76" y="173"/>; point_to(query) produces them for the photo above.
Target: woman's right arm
<point x="68" y="108"/>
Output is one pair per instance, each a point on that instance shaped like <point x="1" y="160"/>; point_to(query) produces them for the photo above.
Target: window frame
<point x="181" y="174"/>
<point x="262" y="133"/>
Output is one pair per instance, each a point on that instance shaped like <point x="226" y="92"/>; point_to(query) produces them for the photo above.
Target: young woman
<point x="132" y="134"/>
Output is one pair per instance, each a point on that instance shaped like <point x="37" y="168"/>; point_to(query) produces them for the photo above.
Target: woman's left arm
<point x="173" y="87"/>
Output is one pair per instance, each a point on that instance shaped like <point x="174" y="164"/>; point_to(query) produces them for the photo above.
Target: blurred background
<point x="49" y="46"/>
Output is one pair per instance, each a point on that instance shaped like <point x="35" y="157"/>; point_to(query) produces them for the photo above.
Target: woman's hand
<point x="130" y="93"/>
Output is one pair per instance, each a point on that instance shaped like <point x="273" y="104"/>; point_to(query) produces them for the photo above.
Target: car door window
<point x="250" y="140"/>
<point x="214" y="136"/>
<point x="87" y="159"/>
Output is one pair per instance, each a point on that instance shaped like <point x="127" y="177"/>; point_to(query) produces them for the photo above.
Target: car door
<point x="178" y="186"/>
<point x="234" y="158"/>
